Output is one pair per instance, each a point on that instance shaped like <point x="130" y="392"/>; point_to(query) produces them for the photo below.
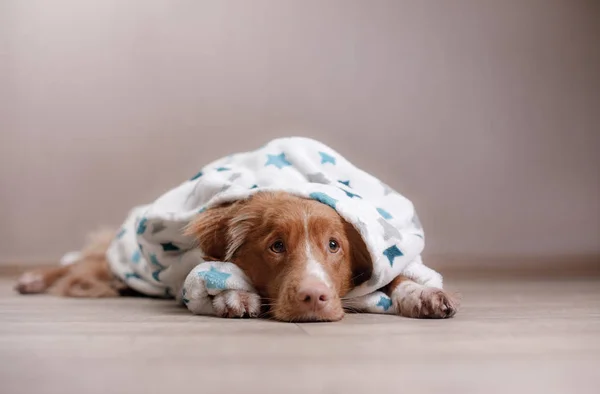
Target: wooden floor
<point x="509" y="337"/>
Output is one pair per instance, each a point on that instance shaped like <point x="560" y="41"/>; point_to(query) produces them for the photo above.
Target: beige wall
<point x="485" y="113"/>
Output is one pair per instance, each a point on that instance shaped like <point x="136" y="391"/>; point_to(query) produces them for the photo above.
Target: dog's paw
<point x="31" y="282"/>
<point x="417" y="301"/>
<point x="236" y="303"/>
<point x="437" y="304"/>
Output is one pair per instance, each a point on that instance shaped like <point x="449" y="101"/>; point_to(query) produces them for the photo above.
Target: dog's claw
<point x="30" y="283"/>
<point x="236" y="304"/>
<point x="426" y="303"/>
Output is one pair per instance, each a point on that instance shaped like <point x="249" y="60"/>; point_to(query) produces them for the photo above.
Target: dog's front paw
<point x="236" y="303"/>
<point x="31" y="282"/>
<point x="417" y="301"/>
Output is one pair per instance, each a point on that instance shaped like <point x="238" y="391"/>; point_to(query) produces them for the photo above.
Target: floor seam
<point x="302" y="329"/>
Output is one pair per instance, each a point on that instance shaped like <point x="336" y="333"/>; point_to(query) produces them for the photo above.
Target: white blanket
<point x="151" y="254"/>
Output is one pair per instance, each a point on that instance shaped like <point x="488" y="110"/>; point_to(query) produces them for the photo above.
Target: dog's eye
<point x="333" y="246"/>
<point x="278" y="247"/>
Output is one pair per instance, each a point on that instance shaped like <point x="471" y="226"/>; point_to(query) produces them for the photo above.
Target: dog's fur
<point x="300" y="255"/>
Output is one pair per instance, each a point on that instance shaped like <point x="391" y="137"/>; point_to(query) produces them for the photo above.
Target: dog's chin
<point x="321" y="316"/>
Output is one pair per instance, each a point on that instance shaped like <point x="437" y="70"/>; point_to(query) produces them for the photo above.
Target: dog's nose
<point x="314" y="295"/>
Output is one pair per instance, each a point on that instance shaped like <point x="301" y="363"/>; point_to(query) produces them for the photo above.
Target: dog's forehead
<point x="308" y="211"/>
<point x="297" y="216"/>
<point x="318" y="212"/>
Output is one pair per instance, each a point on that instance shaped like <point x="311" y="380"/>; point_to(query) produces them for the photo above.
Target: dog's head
<point x="300" y="255"/>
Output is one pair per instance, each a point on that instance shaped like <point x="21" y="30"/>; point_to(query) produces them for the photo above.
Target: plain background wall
<point x="485" y="113"/>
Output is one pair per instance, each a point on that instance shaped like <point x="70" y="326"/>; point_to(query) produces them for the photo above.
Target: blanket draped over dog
<point x="151" y="254"/>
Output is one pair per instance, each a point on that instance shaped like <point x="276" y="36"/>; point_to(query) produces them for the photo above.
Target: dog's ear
<point x="210" y="229"/>
<point x="362" y="266"/>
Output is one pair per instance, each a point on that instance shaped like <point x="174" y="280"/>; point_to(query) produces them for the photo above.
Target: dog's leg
<point x="89" y="278"/>
<point x="39" y="280"/>
<point x="83" y="286"/>
<point x="418" y="301"/>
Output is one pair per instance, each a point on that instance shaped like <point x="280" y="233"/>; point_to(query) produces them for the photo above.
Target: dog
<point x="301" y="256"/>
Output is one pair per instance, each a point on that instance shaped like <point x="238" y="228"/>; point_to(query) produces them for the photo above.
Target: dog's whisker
<point x="361" y="274"/>
<point x="352" y="310"/>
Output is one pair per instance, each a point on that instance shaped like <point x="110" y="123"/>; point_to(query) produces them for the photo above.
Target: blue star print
<point x="169" y="247"/>
<point x="385" y="302"/>
<point x="253" y="186"/>
<point x="136" y="256"/>
<point x="214" y="279"/>
<point x="155" y="261"/>
<point x="278" y="161"/>
<point x="350" y="194"/>
<point x="130" y="275"/>
<point x="346" y="183"/>
<point x="323" y="198"/>
<point x="185" y="300"/>
<point x="155" y="275"/>
<point x="198" y="175"/>
<point x="121" y="233"/>
<point x="325" y="158"/>
<point x="384" y="213"/>
<point x="142" y="226"/>
<point x="391" y="253"/>
<point x="221" y="169"/>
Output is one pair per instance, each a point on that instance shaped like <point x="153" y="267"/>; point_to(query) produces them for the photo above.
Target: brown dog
<point x="300" y="255"/>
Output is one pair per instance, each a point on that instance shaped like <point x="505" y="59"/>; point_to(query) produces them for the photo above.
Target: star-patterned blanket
<point x="151" y="254"/>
